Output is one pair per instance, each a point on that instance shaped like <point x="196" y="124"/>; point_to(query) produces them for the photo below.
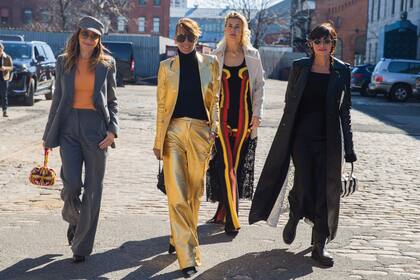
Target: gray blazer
<point x="104" y="100"/>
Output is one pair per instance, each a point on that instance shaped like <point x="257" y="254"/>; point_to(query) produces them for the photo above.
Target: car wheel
<point x="49" y="95"/>
<point x="29" y="97"/>
<point x="400" y="93"/>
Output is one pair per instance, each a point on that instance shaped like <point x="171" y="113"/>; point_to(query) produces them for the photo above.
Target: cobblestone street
<point x="378" y="236"/>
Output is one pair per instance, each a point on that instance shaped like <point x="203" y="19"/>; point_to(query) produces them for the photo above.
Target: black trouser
<point x="3" y="94"/>
<point x="308" y="195"/>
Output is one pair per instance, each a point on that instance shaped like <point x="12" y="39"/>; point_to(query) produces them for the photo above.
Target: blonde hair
<point x="72" y="53"/>
<point x="189" y="26"/>
<point x="246" y="33"/>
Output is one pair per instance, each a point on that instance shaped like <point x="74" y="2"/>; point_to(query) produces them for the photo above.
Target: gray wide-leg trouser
<point x="79" y="144"/>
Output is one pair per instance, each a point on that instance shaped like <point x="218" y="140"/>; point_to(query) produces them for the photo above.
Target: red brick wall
<point x="350" y="19"/>
<point x="149" y="11"/>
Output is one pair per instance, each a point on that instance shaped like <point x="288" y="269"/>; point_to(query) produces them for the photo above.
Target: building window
<point x="401" y="5"/>
<point x="156" y="2"/>
<point x="142" y="24"/>
<point x="44" y="16"/>
<point x="372" y="9"/>
<point x="142" y="2"/>
<point x="393" y="7"/>
<point x="156" y="25"/>
<point x="369" y="53"/>
<point x="4" y="16"/>
<point x="121" y="24"/>
<point x="27" y="16"/>
<point x="379" y="10"/>
<point x="411" y="3"/>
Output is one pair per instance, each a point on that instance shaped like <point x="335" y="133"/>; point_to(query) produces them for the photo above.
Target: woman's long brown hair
<point x="72" y="53"/>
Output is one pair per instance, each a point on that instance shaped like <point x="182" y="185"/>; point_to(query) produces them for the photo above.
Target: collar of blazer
<point x="100" y="76"/>
<point x="174" y="67"/>
<point x="251" y="57"/>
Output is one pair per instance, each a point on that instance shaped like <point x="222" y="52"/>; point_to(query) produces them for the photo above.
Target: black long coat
<point x="338" y="126"/>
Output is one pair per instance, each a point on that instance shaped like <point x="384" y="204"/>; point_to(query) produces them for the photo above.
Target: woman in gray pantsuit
<point x="83" y="122"/>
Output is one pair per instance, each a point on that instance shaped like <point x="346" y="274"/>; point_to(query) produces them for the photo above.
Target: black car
<point x="33" y="70"/>
<point x="123" y="52"/>
<point x="11" y="37"/>
<point x="360" y="78"/>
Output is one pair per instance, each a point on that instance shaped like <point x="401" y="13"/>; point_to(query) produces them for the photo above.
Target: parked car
<point x="11" y="37"/>
<point x="418" y="84"/>
<point x="123" y="52"/>
<point x="396" y="78"/>
<point x="360" y="78"/>
<point x="33" y="70"/>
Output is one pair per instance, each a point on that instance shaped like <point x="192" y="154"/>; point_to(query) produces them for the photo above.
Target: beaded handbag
<point x="43" y="175"/>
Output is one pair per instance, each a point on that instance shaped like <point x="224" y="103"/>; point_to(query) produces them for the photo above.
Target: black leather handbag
<point x="348" y="183"/>
<point x="161" y="179"/>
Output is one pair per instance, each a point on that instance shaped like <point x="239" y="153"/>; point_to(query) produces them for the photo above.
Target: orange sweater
<point x="83" y="86"/>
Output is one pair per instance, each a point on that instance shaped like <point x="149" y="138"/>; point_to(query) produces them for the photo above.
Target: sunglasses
<point x="87" y="34"/>
<point x="182" y="37"/>
<point x="319" y="41"/>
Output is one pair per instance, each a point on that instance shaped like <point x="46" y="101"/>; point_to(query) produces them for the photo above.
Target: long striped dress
<point x="231" y="171"/>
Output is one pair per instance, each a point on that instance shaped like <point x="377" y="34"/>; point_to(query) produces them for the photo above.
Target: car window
<point x="399" y="67"/>
<point x="378" y="66"/>
<point x="18" y="51"/>
<point x="414" y="68"/>
<point x="48" y="52"/>
<point x="39" y="51"/>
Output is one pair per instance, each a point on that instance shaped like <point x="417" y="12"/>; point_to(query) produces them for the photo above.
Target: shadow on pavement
<point x="277" y="264"/>
<point x="403" y="116"/>
<point x="145" y="257"/>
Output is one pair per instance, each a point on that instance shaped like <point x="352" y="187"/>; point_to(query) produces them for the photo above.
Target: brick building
<point x="149" y="17"/>
<point x="144" y="16"/>
<point x="350" y="19"/>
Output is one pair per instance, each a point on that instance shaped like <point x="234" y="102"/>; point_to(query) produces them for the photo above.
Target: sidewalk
<point x="378" y="235"/>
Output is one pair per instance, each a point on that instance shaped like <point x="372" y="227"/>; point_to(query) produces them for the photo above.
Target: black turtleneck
<point x="190" y="98"/>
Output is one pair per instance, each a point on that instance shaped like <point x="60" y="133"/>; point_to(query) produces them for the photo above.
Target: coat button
<point x="294" y="96"/>
<point x="283" y="124"/>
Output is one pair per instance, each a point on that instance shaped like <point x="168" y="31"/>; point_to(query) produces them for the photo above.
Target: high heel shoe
<point x="189" y="271"/>
<point x="171" y="249"/>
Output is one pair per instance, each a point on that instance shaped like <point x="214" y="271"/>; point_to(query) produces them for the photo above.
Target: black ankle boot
<point x="289" y="231"/>
<point x="320" y="254"/>
<point x="189" y="271"/>
<point x="78" y="259"/>
<point x="171" y="249"/>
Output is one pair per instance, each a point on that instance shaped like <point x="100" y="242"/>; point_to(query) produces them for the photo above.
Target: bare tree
<point x="55" y="15"/>
<point x="108" y="10"/>
<point x="65" y="14"/>
<point x="257" y="13"/>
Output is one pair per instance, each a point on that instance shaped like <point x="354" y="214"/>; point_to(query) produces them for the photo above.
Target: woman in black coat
<point x="313" y="131"/>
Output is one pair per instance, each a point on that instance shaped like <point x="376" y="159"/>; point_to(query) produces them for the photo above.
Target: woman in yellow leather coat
<point x="186" y="125"/>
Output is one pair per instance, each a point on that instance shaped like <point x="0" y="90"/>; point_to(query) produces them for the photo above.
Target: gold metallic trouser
<point x="186" y="154"/>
